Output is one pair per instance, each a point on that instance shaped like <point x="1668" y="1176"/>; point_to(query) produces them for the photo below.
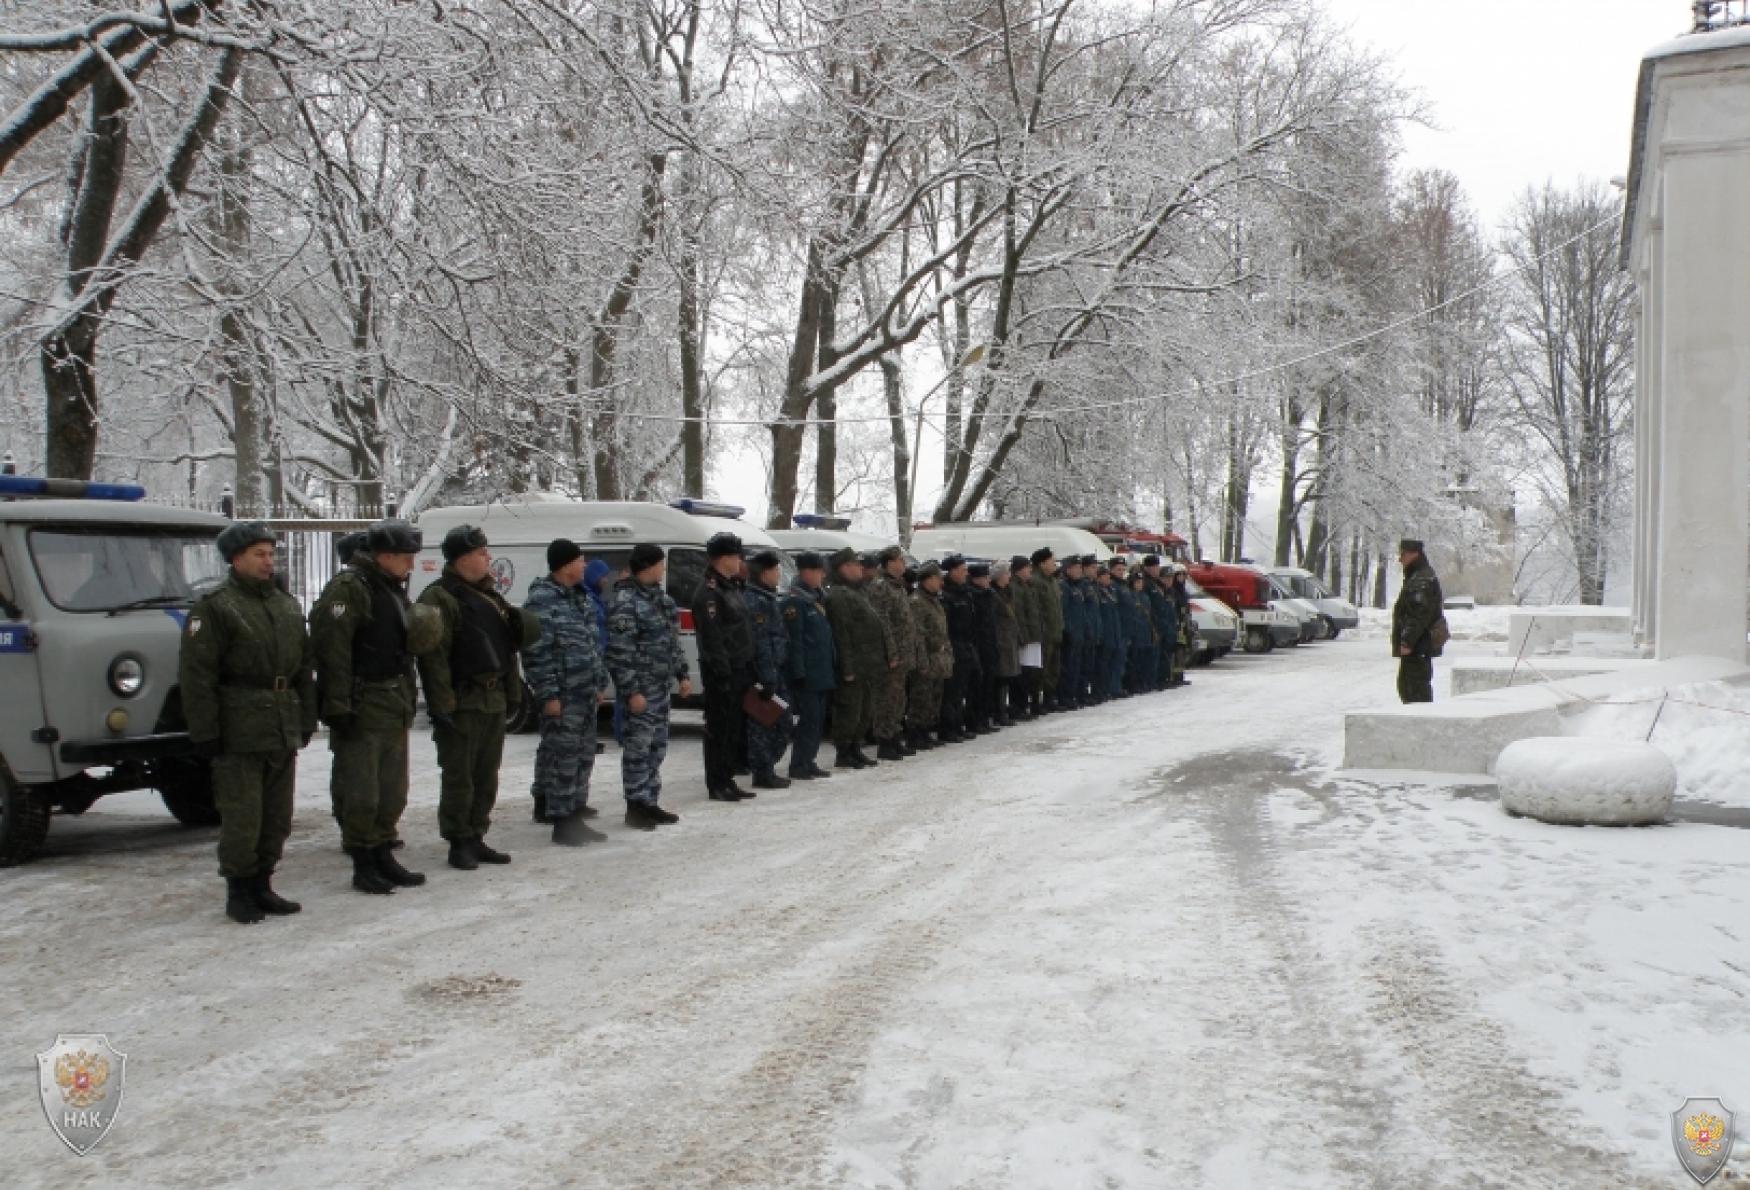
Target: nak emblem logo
<point x="80" y="1079"/>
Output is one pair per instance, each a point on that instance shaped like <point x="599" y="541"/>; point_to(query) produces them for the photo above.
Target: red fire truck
<point x="1248" y="591"/>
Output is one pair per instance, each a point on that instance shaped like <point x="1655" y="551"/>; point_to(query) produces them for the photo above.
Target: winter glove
<point x="342" y="723"/>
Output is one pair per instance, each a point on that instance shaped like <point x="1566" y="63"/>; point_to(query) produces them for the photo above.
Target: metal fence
<point x="1711" y="15"/>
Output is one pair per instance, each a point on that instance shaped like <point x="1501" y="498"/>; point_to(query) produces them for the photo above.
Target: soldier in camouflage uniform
<point x="886" y="591"/>
<point x="472" y="680"/>
<point x="568" y="679"/>
<point x="771" y="656"/>
<point x="365" y="636"/>
<point x="251" y="704"/>
<point x="1048" y="607"/>
<point x="644" y="656"/>
<point x="923" y="694"/>
<point x="864" y="652"/>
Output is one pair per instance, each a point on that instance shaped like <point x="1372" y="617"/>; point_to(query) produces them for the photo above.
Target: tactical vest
<point x="482" y="644"/>
<point x="379" y="648"/>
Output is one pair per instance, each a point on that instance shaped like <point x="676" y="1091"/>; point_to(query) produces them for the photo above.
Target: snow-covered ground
<point x="1158" y="945"/>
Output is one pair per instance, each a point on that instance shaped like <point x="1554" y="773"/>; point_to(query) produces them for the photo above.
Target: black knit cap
<point x="644" y="555"/>
<point x="1410" y="545"/>
<point x="810" y="560"/>
<point x="463" y="539"/>
<point x="953" y="562"/>
<point x="1152" y="560"/>
<point x="562" y="552"/>
<point x="1020" y="562"/>
<point x="1042" y="553"/>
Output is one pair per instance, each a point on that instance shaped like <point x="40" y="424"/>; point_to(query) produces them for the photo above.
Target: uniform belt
<point x="253" y="683"/>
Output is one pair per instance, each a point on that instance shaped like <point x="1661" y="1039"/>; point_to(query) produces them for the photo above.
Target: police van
<point x="95" y="586"/>
<point x="519" y="529"/>
<point x="826" y="535"/>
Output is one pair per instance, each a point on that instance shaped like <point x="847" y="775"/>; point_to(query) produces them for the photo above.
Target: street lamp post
<point x="972" y="356"/>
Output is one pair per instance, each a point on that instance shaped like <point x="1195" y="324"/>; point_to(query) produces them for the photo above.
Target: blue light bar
<point x="815" y="520"/>
<point x="21" y="486"/>
<point x="694" y="507"/>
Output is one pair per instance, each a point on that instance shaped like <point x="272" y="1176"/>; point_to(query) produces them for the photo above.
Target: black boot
<point x="571" y="831"/>
<point x="541" y="808"/>
<point x="726" y="794"/>
<point x="365" y="876"/>
<point x="638" y="816"/>
<point x="771" y="781"/>
<point x="484" y="853"/>
<point x="240" y="903"/>
<point x="819" y="774"/>
<point x="391" y="868"/>
<point x="660" y="816"/>
<point x="861" y="761"/>
<point x="846" y="759"/>
<point x="462" y="855"/>
<point x="889" y="750"/>
<point x="271" y="902"/>
<point x="906" y="746"/>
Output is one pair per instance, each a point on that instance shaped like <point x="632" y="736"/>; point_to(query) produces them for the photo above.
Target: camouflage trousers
<point x="565" y="758"/>
<point x="468" y="757"/>
<point x="368" y="781"/>
<point x="643" y="746"/>
<point x="253" y="791"/>
<point x="888" y="710"/>
<point x="765" y="745"/>
<point x="923" y="702"/>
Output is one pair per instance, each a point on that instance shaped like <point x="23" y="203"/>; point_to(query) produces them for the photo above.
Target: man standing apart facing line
<point x="1420" y="605"/>
<point x="250" y="701"/>
<point x="644" y="656"/>
<point x="471" y="680"/>
<point x="565" y="672"/>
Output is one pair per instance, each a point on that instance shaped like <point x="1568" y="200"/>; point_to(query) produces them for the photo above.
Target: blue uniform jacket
<point x="812" y="660"/>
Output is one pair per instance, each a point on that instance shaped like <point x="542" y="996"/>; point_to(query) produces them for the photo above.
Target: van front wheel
<point x="24" y="822"/>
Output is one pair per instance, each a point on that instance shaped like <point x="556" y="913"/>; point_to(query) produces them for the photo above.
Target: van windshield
<point x="110" y="569"/>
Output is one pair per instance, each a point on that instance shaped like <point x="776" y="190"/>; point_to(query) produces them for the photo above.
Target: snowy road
<point x="1156" y="946"/>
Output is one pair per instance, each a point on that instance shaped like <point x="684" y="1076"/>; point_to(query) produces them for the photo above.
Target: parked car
<point x="1340" y="615"/>
<point x="94" y="589"/>
<point x="520" y="529"/>
<point x="1248" y="591"/>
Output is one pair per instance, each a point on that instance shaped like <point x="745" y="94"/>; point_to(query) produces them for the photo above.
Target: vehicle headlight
<point x="126" y="676"/>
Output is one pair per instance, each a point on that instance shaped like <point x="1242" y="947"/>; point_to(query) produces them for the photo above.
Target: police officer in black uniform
<point x="724" y="631"/>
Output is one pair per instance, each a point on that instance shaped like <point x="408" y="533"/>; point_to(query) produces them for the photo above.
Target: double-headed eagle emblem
<point x="81" y="1076"/>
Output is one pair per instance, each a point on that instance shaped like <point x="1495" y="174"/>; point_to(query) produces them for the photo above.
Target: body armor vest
<point x="483" y="643"/>
<point x="379" y="648"/>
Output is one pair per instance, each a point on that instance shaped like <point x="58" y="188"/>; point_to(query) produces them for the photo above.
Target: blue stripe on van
<point x="15" y="639"/>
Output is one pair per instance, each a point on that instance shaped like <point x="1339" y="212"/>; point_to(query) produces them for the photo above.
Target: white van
<point x="826" y="541"/>
<point x="519" y="530"/>
<point x="999" y="542"/>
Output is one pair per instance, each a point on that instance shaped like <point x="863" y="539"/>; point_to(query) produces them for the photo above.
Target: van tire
<point x="185" y="785"/>
<point x="1332" y="632"/>
<point x="520" y="717"/>
<point x="1258" y="639"/>
<point x="24" y="822"/>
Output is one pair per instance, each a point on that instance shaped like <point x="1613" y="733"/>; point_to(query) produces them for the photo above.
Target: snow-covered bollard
<point x="1585" y="782"/>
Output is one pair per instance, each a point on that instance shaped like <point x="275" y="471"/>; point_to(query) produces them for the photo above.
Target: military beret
<point x="953" y="562"/>
<point x="463" y="539"/>
<point x="978" y="570"/>
<point x="1409" y="545"/>
<point x="562" y="552"/>
<point x="892" y="552"/>
<point x="644" y="555"/>
<point x="1020" y="562"/>
<point x="240" y="536"/>
<point x="723" y="545"/>
<point x="810" y="560"/>
<point x="843" y="557"/>
<point x="763" y="561"/>
<point x="929" y="570"/>
<point x="1042" y="553"/>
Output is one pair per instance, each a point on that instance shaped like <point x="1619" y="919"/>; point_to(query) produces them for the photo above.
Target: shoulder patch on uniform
<point x="711" y="609"/>
<point x="337" y="609"/>
<point x="194" y="625"/>
<point x="789" y="613"/>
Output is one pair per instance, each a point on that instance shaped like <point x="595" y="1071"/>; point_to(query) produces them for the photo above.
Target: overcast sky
<point x="1520" y="91"/>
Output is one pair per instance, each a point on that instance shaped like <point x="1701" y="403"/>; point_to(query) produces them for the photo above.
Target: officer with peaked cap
<point x="472" y="681"/>
<point x="726" y="663"/>
<point x="1415" y="619"/>
<point x="250" y="703"/>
